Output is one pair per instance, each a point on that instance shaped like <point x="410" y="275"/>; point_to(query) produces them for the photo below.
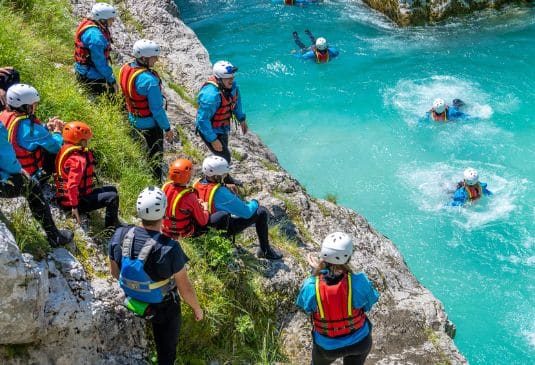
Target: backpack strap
<point x="128" y="240"/>
<point x="147" y="247"/>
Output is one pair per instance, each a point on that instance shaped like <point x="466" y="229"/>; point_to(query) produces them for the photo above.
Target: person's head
<point x="22" y="98"/>
<point x="224" y="71"/>
<point x="321" y="44"/>
<point x="151" y="204"/>
<point x="77" y="133"/>
<point x="103" y="13"/>
<point x="439" y="106"/>
<point x="215" y="168"/>
<point x="471" y="177"/>
<point x="146" y="52"/>
<point x="336" y="251"/>
<point x="180" y="171"/>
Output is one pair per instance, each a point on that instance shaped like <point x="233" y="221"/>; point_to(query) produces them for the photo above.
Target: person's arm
<point x="114" y="269"/>
<point x="307" y="55"/>
<point x="97" y="45"/>
<point x="115" y="252"/>
<point x="200" y="215"/>
<point x="188" y="293"/>
<point x="238" y="110"/>
<point x="9" y="165"/>
<point x="38" y="136"/>
<point x="209" y="101"/>
<point x="333" y="52"/>
<point x="485" y="190"/>
<point x="155" y="99"/>
<point x="364" y="294"/>
<point x="459" y="197"/>
<point x="306" y="299"/>
<point x="230" y="202"/>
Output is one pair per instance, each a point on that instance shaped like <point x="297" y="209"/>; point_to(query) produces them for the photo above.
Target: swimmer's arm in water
<point x="333" y="52"/>
<point x="459" y="197"/>
<point x="486" y="191"/>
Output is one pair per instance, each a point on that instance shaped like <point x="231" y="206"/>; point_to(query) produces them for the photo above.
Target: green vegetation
<point x="188" y="148"/>
<point x="10" y="352"/>
<point x="28" y="234"/>
<point x="330" y="197"/>
<point x="181" y="91"/>
<point x="270" y="166"/>
<point x="432" y="336"/>
<point x="126" y="16"/>
<point x="295" y="216"/>
<point x="236" y="155"/>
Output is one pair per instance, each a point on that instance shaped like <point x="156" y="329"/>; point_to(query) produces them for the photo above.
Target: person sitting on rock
<point x="34" y="145"/>
<point x="75" y="175"/>
<point x="441" y="112"/>
<point x="470" y="189"/>
<point x="150" y="268"/>
<point x="211" y="189"/>
<point x="15" y="182"/>
<point x="319" y="50"/>
<point x="337" y="300"/>
<point x="219" y="103"/>
<point x="142" y="89"/>
<point x="92" y="42"/>
<point x="8" y="77"/>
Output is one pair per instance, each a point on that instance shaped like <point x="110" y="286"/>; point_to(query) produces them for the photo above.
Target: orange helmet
<point x="180" y="171"/>
<point x="74" y="132"/>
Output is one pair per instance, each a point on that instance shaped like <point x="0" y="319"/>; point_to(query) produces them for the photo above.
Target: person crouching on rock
<point x="211" y="189"/>
<point x="75" y="175"/>
<point x="337" y="300"/>
<point x="150" y="268"/>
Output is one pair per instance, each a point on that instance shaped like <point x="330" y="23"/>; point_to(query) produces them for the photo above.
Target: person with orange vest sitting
<point x="213" y="191"/>
<point x="441" y="112"/>
<point x="219" y="103"/>
<point x="34" y="145"/>
<point x="337" y="299"/>
<point x="319" y="51"/>
<point x="92" y="46"/>
<point x="470" y="189"/>
<point x="142" y="89"/>
<point x="75" y="174"/>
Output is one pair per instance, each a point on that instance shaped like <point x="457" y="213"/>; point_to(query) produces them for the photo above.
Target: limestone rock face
<point x="415" y="12"/>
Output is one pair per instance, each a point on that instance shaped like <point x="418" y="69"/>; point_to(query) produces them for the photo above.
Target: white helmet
<point x="224" y="70"/>
<point x="471" y="176"/>
<point x="321" y="44"/>
<point x="151" y="204"/>
<point x="21" y="94"/>
<point x="146" y="48"/>
<point x="103" y="11"/>
<point x="439" y="105"/>
<point x="215" y="166"/>
<point x="336" y="248"/>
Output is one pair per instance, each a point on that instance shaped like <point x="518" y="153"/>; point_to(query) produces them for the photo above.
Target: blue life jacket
<point x="134" y="280"/>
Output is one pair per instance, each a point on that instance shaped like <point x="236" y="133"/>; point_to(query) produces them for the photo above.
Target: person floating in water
<point x="318" y="50"/>
<point x="299" y="2"/>
<point x="441" y="112"/>
<point x="470" y="189"/>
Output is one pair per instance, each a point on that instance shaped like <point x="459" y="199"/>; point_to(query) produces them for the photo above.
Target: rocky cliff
<point x="64" y="317"/>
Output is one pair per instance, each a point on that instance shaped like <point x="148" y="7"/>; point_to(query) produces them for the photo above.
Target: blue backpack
<point x="134" y="280"/>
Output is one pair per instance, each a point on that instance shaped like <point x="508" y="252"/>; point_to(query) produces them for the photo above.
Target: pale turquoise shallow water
<point x="350" y="128"/>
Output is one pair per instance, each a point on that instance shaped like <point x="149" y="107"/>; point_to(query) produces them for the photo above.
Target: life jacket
<point x="336" y="316"/>
<point x="440" y="117"/>
<point x="223" y="115"/>
<point x="133" y="278"/>
<point x="321" y="57"/>
<point x="177" y="222"/>
<point x="62" y="174"/>
<point x="474" y="191"/>
<point x="136" y="104"/>
<point x="206" y="192"/>
<point x="289" y="2"/>
<point x="82" y="54"/>
<point x="31" y="161"/>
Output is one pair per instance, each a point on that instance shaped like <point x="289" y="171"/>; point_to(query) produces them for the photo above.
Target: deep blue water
<point x="351" y="128"/>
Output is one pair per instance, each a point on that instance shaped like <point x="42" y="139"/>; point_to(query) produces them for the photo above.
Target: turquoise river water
<point x="350" y="128"/>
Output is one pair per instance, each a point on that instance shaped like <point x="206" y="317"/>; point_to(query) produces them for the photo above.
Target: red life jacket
<point x="62" y="174"/>
<point x="136" y="104"/>
<point x="31" y="161"/>
<point x="321" y="57"/>
<point x="336" y="316"/>
<point x="223" y="115"/>
<point x="206" y="192"/>
<point x="82" y="55"/>
<point x="178" y="222"/>
<point x="474" y="191"/>
<point x="440" y="117"/>
<point x="289" y="2"/>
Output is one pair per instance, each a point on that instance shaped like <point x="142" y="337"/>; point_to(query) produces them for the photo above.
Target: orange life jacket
<point x="440" y="117"/>
<point x="474" y="191"/>
<point x="177" y="222"/>
<point x="82" y="55"/>
<point x="136" y="104"/>
<point x="321" y="57"/>
<point x="336" y="316"/>
<point x="206" y="192"/>
<point x="223" y="115"/>
<point x="62" y="174"/>
<point x="31" y="161"/>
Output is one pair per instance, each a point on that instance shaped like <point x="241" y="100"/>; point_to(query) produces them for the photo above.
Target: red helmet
<point x="180" y="171"/>
<point x="74" y="132"/>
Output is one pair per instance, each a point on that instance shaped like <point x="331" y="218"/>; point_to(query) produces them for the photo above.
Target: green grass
<point x="181" y="91"/>
<point x="188" y="148"/>
<point x="270" y="166"/>
<point x="28" y="234"/>
<point x="126" y="16"/>
<point x="330" y="197"/>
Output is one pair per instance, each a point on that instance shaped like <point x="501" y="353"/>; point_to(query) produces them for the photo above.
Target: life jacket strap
<point x="128" y="241"/>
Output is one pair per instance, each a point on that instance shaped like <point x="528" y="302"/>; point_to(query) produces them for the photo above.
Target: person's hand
<point x="115" y="87"/>
<point x="233" y="188"/>
<point x="169" y="136"/>
<point x="76" y="215"/>
<point x="204" y="204"/>
<point x="244" y="127"/>
<point x="3" y="100"/>
<point x="217" y="145"/>
<point x="313" y="259"/>
<point x="55" y="124"/>
<point x="199" y="315"/>
<point x="24" y="173"/>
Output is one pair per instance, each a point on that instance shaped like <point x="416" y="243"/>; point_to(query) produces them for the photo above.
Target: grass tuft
<point x="330" y="197"/>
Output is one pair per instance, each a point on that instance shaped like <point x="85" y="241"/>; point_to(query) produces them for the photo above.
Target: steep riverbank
<point x="410" y="324"/>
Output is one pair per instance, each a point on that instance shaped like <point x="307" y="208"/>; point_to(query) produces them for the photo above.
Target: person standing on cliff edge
<point x="142" y="89"/>
<point x="219" y="103"/>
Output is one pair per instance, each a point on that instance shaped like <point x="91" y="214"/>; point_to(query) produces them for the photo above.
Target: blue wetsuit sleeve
<point x="364" y="294"/>
<point x="454" y="113"/>
<point x="333" y="52"/>
<point x="97" y="45"/>
<point x="155" y="98"/>
<point x="306" y="299"/>
<point x="209" y="101"/>
<point x="227" y="201"/>
<point x="459" y="197"/>
<point x="238" y="111"/>
<point x="31" y="138"/>
<point x="9" y="165"/>
<point x="308" y="55"/>
<point x="485" y="190"/>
